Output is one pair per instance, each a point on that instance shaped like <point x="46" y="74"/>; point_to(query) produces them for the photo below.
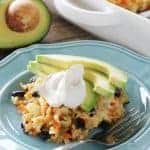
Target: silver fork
<point x="120" y="132"/>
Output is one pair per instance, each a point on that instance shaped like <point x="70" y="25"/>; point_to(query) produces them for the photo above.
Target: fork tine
<point x="126" y="124"/>
<point x="142" y="120"/>
<point x="131" y="130"/>
<point x="129" y="126"/>
<point x="120" y="126"/>
<point x="132" y="112"/>
<point x="116" y="126"/>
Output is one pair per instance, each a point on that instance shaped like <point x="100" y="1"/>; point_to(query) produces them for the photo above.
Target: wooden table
<point x="60" y="31"/>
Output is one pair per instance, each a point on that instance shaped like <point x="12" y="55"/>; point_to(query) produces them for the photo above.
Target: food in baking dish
<point x="133" y="5"/>
<point x="69" y="96"/>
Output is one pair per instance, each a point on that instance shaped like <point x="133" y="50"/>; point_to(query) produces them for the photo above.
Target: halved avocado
<point x="22" y="22"/>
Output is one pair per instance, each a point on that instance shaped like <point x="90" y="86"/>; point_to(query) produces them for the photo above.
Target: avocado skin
<point x="100" y="82"/>
<point x="116" y="77"/>
<point x="9" y="44"/>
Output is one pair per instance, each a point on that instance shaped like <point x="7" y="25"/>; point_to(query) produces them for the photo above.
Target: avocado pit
<point x="22" y="16"/>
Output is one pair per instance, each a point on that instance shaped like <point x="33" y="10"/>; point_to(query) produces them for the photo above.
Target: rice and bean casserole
<point x="63" y="124"/>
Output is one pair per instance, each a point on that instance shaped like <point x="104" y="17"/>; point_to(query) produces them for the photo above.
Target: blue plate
<point x="12" y="71"/>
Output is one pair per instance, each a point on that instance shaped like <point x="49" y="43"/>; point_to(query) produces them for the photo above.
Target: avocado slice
<point x="43" y="68"/>
<point x="99" y="81"/>
<point x="35" y="70"/>
<point x="116" y="77"/>
<point x="90" y="99"/>
<point x="17" y="32"/>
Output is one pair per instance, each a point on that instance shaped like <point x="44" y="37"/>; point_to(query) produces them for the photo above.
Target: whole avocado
<point x="22" y="22"/>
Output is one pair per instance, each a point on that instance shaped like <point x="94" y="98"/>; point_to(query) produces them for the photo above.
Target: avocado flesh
<point x="90" y="99"/>
<point x="17" y="39"/>
<point x="99" y="81"/>
<point x="43" y="68"/>
<point x="116" y="77"/>
<point x="35" y="70"/>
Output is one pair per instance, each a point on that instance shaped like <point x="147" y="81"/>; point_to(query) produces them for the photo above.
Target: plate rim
<point x="119" y="48"/>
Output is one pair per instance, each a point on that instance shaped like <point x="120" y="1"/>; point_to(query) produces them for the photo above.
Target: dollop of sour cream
<point x="65" y="88"/>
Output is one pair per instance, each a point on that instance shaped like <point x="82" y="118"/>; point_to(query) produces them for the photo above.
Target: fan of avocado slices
<point x="101" y="78"/>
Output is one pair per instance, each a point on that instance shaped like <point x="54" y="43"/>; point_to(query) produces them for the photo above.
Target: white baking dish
<point x="107" y="21"/>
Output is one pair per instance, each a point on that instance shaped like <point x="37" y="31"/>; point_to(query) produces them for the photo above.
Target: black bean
<point x="23" y="128"/>
<point x="44" y="135"/>
<point x="79" y="123"/>
<point x="35" y="94"/>
<point x="18" y="93"/>
<point x="92" y="112"/>
<point x="117" y="92"/>
<point x="104" y="125"/>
